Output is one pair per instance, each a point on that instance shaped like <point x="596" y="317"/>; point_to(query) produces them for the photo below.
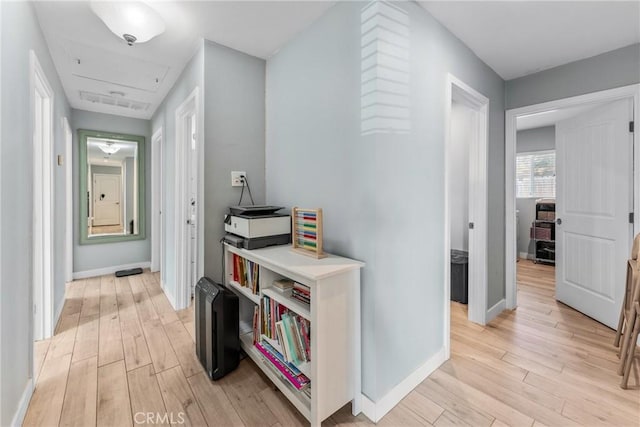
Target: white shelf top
<point x="313" y="269"/>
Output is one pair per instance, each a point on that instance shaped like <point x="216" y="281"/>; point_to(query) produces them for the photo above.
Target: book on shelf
<point x="283" y="284"/>
<point x="301" y="293"/>
<point x="296" y="378"/>
<point x="256" y="329"/>
<point x="246" y="273"/>
<point x="290" y="330"/>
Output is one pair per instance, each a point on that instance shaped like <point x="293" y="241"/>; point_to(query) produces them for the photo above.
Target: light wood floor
<point x="120" y="349"/>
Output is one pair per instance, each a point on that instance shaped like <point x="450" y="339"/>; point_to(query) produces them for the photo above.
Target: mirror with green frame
<point x="111" y="187"/>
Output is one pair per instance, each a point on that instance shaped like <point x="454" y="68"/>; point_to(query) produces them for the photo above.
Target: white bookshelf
<point x="334" y="314"/>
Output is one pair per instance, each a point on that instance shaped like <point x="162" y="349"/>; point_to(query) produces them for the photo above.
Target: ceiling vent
<point x="97" y="98"/>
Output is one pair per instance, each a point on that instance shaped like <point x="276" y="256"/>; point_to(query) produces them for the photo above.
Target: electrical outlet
<point x="236" y="181"/>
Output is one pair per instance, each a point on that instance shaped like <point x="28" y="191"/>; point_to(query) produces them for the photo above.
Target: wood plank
<point x="216" y="406"/>
<point x="184" y="348"/>
<point x="422" y="406"/>
<point x="160" y="349"/>
<point x="178" y="397"/>
<point x="79" y="407"/>
<point x="110" y="336"/>
<point x="91" y="298"/>
<point x="144" y="306"/>
<point x="114" y="404"/>
<point x="159" y="299"/>
<point x="455" y="402"/>
<point x="63" y="341"/>
<point x="243" y="387"/>
<point x="146" y="397"/>
<point x="87" y="338"/>
<point x="40" y="349"/>
<point x="447" y="419"/>
<point x="479" y="398"/>
<point x="134" y="343"/>
<point x="45" y="406"/>
<point x="284" y="411"/>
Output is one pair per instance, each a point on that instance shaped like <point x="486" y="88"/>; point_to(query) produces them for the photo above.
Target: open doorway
<point x="570" y="202"/>
<point x="466" y="116"/>
<point x="189" y="197"/>
<point x="157" y="224"/>
<point x="42" y="263"/>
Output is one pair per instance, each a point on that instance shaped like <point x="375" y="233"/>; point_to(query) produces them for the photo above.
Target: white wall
<point x="461" y="133"/>
<point x="20" y="34"/>
<point x="382" y="195"/>
<point x="531" y="140"/>
<point x="103" y="255"/>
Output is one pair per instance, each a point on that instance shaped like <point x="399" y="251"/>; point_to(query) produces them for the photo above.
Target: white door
<point x="594" y="185"/>
<point x="106" y="199"/>
<point x="192" y="208"/>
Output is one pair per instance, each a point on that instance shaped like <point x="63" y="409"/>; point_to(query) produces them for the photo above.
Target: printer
<point x="254" y="227"/>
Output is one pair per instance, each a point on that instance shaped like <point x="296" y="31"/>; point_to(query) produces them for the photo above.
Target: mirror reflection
<point x="111" y="187"/>
<point x="112" y="178"/>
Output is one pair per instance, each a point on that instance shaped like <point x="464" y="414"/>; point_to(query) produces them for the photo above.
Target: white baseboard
<point x="526" y="255"/>
<point x="376" y="410"/>
<point x="494" y="311"/>
<point x="57" y="315"/>
<point x="18" y="417"/>
<point x="108" y="270"/>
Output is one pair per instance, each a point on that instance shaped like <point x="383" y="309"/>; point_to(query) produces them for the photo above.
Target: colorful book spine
<point x="296" y="381"/>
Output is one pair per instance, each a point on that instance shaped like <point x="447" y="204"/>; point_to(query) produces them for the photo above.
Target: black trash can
<point x="459" y="276"/>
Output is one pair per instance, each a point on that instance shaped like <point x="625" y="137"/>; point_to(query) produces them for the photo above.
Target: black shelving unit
<point x="543" y="231"/>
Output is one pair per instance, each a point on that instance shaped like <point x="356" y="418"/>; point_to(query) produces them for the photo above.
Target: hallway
<point x="120" y="350"/>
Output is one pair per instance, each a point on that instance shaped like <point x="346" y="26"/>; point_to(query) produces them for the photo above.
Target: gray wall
<point x="458" y="170"/>
<point x="164" y="117"/>
<point x="21" y="33"/>
<point x="617" y="68"/>
<point x="531" y="140"/>
<point x="382" y="195"/>
<point x="103" y="255"/>
<point x="234" y="117"/>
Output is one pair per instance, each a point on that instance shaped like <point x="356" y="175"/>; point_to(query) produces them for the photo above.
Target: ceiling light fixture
<point x="108" y="148"/>
<point x="135" y="22"/>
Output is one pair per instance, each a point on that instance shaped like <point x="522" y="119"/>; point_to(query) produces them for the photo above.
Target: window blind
<point x="536" y="174"/>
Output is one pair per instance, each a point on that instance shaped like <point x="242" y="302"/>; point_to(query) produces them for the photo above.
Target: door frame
<point x="42" y="299"/>
<point x="511" y="116"/>
<point x="157" y="258"/>
<point x="191" y="105"/>
<point x="68" y="173"/>
<point x="461" y="92"/>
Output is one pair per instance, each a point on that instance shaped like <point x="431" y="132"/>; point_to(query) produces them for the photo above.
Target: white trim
<point x="58" y="312"/>
<point x="23" y="404"/>
<point x="1" y="234"/>
<point x="42" y="292"/>
<point x="526" y="255"/>
<point x="458" y="90"/>
<point x="68" y="276"/>
<point x="631" y="91"/>
<point x="376" y="410"/>
<point x="191" y="105"/>
<point x="109" y="270"/>
<point x="497" y="308"/>
<point x="156" y="200"/>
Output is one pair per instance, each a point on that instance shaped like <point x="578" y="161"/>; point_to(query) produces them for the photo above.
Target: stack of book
<point x="288" y="370"/>
<point x="292" y="331"/>
<point x="301" y="293"/>
<point x="283" y="284"/>
<point x="246" y="273"/>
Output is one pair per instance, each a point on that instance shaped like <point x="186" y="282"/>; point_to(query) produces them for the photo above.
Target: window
<point x="536" y="174"/>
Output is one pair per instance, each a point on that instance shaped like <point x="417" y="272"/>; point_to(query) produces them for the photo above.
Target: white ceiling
<point x="92" y="62"/>
<point x="95" y="154"/>
<point x="516" y="38"/>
